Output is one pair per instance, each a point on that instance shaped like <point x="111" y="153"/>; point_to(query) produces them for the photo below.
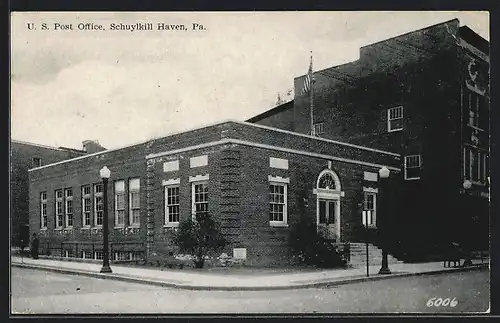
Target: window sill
<point x="58" y="229"/>
<point x="119" y="227"/>
<point x="278" y="224"/>
<point x="171" y="225"/>
<point x="394" y="130"/>
<point x="412" y="179"/>
<point x="85" y="228"/>
<point x="136" y="226"/>
<point x="43" y="229"/>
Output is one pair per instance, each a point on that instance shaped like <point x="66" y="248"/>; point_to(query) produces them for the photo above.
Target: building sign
<point x="477" y="75"/>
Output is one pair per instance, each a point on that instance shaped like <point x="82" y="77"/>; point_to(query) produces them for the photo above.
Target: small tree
<point x="199" y="238"/>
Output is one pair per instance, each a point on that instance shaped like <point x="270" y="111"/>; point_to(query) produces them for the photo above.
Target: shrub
<point x="311" y="248"/>
<point x="199" y="238"/>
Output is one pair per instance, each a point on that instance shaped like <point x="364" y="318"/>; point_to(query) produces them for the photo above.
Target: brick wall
<point x="124" y="164"/>
<point x="21" y="159"/>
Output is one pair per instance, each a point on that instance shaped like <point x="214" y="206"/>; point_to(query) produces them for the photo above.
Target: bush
<point x="199" y="238"/>
<point x="311" y="248"/>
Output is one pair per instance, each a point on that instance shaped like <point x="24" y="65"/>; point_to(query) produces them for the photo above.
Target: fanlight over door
<point x="328" y="195"/>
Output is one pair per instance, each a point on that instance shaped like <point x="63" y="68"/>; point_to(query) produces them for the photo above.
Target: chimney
<point x="92" y="146"/>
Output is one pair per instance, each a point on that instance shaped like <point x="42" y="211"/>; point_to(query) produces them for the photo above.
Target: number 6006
<point x="442" y="302"/>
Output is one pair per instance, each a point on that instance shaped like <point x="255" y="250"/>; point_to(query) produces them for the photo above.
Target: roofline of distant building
<point x="270" y="112"/>
<point x="465" y="27"/>
<point x="216" y="124"/>
<point x="37" y="145"/>
<point x="414" y="31"/>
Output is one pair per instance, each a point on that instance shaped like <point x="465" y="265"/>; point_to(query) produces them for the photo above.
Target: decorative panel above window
<point x="171" y="166"/>
<point x="198" y="161"/>
<point x="278" y="163"/>
<point x="395" y="119"/>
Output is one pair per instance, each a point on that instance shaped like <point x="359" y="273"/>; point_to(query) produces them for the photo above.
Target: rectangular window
<point x="395" y="119"/>
<point x="475" y="165"/>
<point x="43" y="210"/>
<point x="369" y="209"/>
<point x="412" y="167"/>
<point x="69" y="207"/>
<point x="98" y="255"/>
<point x="86" y="206"/>
<point x="171" y="204"/>
<point x="98" y="205"/>
<point x="134" y="186"/>
<point x="120" y="203"/>
<point x="120" y="255"/>
<point x="200" y="199"/>
<point x="278" y="203"/>
<point x="59" y="209"/>
<point x="36" y="162"/>
<point x="87" y="255"/>
<point x="319" y="128"/>
<point x="474" y="109"/>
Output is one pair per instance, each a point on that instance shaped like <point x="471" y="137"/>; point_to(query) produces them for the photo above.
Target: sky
<point x="121" y="87"/>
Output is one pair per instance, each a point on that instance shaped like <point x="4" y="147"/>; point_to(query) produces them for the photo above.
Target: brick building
<point x="255" y="180"/>
<point x="416" y="103"/>
<point x="23" y="156"/>
<point x="425" y="96"/>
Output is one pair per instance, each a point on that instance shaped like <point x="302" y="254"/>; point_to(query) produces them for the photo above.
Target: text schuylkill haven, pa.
<point x="147" y="26"/>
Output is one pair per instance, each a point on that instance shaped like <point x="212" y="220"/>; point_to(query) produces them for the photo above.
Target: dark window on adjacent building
<point x="36" y="162"/>
<point x="412" y="167"/>
<point x="395" y="119"/>
<point x="475" y="165"/>
<point x="319" y="128"/>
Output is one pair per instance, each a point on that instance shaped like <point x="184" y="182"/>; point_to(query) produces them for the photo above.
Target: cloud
<point x="124" y="87"/>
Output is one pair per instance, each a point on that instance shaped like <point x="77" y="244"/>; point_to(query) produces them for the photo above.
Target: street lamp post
<point x="105" y="174"/>
<point x="384" y="175"/>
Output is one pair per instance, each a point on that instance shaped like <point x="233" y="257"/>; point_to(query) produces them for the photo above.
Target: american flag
<point x="309" y="79"/>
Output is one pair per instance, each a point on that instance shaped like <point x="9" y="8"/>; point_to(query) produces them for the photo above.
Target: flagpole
<point x="311" y="97"/>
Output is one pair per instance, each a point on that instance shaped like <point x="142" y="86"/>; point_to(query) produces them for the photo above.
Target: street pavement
<point x="41" y="292"/>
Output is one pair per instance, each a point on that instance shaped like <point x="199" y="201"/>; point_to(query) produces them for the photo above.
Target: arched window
<point x="328" y="180"/>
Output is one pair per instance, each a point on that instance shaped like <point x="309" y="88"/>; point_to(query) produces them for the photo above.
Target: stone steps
<point x="358" y="255"/>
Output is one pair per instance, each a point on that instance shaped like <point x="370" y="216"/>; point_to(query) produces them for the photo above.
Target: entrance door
<point x="327" y="222"/>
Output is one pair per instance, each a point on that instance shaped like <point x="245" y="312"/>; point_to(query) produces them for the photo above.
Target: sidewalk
<point x="236" y="281"/>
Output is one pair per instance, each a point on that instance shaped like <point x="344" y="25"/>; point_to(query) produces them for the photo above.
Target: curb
<point x="243" y="288"/>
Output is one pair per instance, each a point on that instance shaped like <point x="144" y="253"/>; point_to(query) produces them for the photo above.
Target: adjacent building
<point x="425" y="96"/>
